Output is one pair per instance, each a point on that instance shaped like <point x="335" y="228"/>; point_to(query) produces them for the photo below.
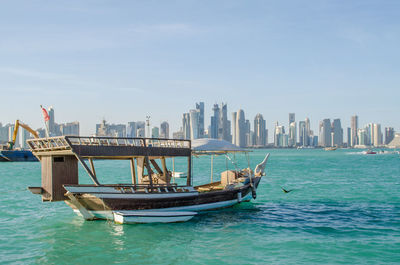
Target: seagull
<point x="285" y="191"/>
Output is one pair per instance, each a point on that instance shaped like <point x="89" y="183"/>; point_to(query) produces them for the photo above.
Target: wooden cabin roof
<point x="109" y="147"/>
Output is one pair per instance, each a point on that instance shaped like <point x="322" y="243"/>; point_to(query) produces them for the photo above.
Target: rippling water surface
<point x="344" y="208"/>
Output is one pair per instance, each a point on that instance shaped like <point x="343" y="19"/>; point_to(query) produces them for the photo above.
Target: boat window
<point x="58" y="159"/>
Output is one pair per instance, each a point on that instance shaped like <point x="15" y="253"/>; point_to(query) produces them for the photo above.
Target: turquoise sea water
<point x="344" y="209"/>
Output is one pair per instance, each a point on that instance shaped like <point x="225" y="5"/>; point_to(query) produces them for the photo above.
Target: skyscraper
<point x="164" y="130"/>
<point x="70" y="128"/>
<point x="389" y="134"/>
<point x="240" y="129"/>
<point x="224" y="128"/>
<point x="194" y="124"/>
<point x="325" y="137"/>
<point x="200" y="108"/>
<point x="354" y="130"/>
<point x="377" y="140"/>
<point x="24" y="135"/>
<point x="302" y="133"/>
<point x="220" y="125"/>
<point x="292" y="118"/>
<point x="131" y="129"/>
<point x="348" y="136"/>
<point x="234" y="117"/>
<point x="215" y="122"/>
<point x="155" y="132"/>
<point x="280" y="138"/>
<point x="259" y="130"/>
<point x="186" y="126"/>
<point x="292" y="137"/>
<point x="337" y="133"/>
<point x="51" y="122"/>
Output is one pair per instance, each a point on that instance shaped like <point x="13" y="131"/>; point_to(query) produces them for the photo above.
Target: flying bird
<point x="286" y="191"/>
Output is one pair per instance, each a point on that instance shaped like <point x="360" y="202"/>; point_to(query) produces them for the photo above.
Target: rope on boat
<point x="253" y="188"/>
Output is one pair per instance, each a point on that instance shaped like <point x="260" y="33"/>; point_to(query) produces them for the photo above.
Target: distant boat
<point x="17" y="156"/>
<point x="333" y="148"/>
<point x="179" y="174"/>
<point x="370" y="152"/>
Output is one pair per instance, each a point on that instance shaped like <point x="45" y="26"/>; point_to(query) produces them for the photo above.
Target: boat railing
<point x="66" y="142"/>
<point x="133" y="188"/>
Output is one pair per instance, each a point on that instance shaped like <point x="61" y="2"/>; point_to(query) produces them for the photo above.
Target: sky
<point x="124" y="60"/>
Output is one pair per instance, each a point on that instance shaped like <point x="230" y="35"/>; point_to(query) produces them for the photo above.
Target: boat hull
<point x="17" y="156"/>
<point x="103" y="205"/>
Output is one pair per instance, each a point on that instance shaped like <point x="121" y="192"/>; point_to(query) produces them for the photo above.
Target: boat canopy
<point x="214" y="146"/>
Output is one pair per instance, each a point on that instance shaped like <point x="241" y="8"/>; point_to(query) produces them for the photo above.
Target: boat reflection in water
<point x="152" y="196"/>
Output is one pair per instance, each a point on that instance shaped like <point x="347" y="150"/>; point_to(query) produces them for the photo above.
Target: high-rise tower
<point x="354" y="128"/>
<point x="259" y="130"/>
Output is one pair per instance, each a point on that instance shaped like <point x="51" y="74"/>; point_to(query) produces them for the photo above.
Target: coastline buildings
<point x="193" y="123"/>
<point x="220" y="127"/>
<point x="111" y="130"/>
<point x="330" y="134"/>
<point x="370" y="135"/>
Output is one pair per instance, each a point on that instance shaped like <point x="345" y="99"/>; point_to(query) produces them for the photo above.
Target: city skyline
<point x="317" y="59"/>
<point x="239" y="130"/>
<point x="270" y="122"/>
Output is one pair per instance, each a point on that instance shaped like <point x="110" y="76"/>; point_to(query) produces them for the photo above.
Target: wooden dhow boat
<point x="151" y="196"/>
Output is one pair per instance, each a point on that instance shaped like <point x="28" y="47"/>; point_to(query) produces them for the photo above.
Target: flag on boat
<point x="45" y="114"/>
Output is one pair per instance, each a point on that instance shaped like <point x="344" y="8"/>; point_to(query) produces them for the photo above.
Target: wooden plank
<point x="133" y="173"/>
<point x="155" y="165"/>
<point x="92" y="166"/>
<point x="189" y="177"/>
<point x="127" y="151"/>
<point x="164" y="166"/>
<point x="149" y="172"/>
<point x="91" y="175"/>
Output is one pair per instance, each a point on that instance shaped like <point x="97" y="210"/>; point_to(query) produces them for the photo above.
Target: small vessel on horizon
<point x="331" y="148"/>
<point x="370" y="152"/>
<point x="8" y="152"/>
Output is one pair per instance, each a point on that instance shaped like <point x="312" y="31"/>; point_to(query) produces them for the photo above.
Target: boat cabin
<point x="59" y="157"/>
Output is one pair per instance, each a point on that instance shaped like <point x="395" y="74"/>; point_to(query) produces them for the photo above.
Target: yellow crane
<point x="26" y="127"/>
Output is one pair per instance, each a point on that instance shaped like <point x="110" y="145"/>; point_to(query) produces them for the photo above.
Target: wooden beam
<point x="164" y="166"/>
<point x="133" y="173"/>
<point x="92" y="167"/>
<point x="149" y="172"/>
<point x="155" y="165"/>
<point x="189" y="177"/>
<point x="91" y="175"/>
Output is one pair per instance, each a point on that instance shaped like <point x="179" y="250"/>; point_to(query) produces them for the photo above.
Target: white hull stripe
<point x="195" y="208"/>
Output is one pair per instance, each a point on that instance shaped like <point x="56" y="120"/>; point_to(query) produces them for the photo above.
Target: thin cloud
<point x="53" y="78"/>
<point x="173" y="28"/>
